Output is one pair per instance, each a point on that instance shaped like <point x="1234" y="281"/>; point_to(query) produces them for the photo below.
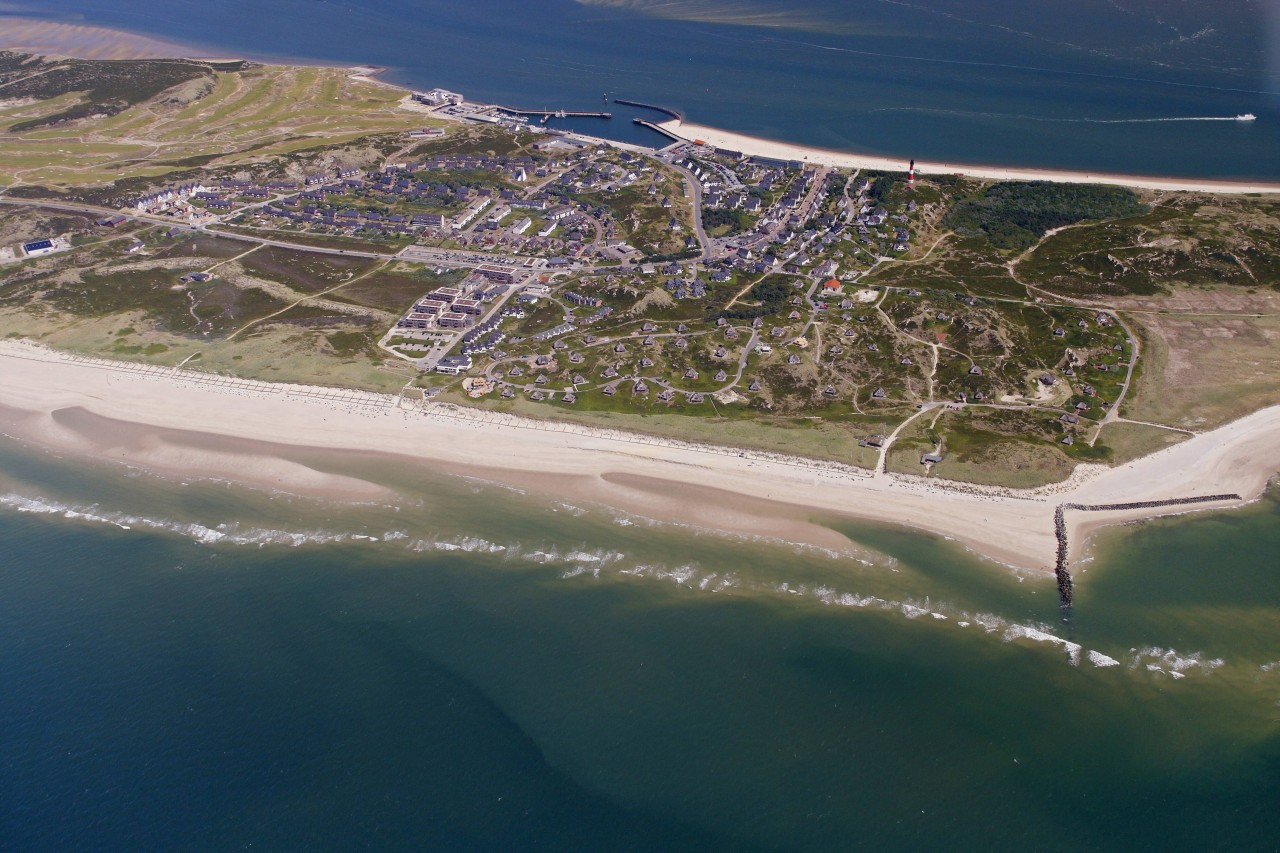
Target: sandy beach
<point x="193" y="424"/>
<point x="827" y="157"/>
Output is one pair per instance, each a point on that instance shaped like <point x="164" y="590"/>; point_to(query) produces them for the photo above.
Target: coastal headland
<point x="178" y="422"/>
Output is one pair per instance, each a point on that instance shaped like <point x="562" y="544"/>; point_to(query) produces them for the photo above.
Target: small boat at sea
<point x="1246" y="117"/>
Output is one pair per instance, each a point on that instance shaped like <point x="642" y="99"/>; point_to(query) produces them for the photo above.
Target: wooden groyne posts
<point x="675" y="114"/>
<point x="1061" y="570"/>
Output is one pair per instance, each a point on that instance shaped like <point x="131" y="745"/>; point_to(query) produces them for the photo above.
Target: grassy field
<point x="1204" y="371"/>
<point x="261" y="110"/>
<point x="1131" y="441"/>
<point x="999" y="447"/>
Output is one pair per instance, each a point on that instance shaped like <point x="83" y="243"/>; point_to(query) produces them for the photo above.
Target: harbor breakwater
<point x="1062" y="571"/>
<point x="675" y="114"/>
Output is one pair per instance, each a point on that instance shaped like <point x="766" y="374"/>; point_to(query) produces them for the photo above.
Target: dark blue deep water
<point x="1079" y="84"/>
<point x="193" y="666"/>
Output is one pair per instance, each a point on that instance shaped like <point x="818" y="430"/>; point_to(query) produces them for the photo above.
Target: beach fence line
<point x="451" y="410"/>
<point x="371" y="399"/>
<point x="259" y="387"/>
<point x="1061" y="569"/>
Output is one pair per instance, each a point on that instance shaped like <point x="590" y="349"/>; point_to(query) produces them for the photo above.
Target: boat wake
<point x="1242" y="117"/>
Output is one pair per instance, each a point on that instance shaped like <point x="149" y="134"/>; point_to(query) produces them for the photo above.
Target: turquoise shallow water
<point x="237" y="668"/>
<point x="1140" y="87"/>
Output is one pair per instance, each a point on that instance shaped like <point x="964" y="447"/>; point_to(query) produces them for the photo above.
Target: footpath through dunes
<point x="713" y="487"/>
<point x="776" y="150"/>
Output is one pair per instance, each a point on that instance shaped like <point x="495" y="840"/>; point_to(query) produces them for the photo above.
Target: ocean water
<point x="1141" y="87"/>
<point x="196" y="665"/>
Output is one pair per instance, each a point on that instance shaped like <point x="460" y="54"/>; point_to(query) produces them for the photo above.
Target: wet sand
<point x="84" y="42"/>
<point x="179" y="422"/>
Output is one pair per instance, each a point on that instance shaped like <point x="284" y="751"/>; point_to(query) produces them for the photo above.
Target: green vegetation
<point x="1184" y="240"/>
<point x="109" y="86"/>
<point x="197" y="118"/>
<point x="721" y="221"/>
<point x="770" y="294"/>
<point x="1013" y="215"/>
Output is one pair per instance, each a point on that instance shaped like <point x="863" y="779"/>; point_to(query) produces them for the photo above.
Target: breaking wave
<point x="232" y="533"/>
<point x="583" y="561"/>
<point x="691" y="576"/>
<point x="467" y="544"/>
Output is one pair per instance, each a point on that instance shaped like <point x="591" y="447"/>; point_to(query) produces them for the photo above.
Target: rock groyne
<point x="1062" y="571"/>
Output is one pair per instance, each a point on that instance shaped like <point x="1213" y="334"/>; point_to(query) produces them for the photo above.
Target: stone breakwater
<point x="1061" y="570"/>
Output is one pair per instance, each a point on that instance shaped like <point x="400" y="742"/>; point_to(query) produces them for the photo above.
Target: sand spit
<point x="828" y="157"/>
<point x="32" y="35"/>
<point x="180" y="422"/>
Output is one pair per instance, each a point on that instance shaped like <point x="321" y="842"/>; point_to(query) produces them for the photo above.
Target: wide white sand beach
<point x="193" y="424"/>
<point x="755" y="146"/>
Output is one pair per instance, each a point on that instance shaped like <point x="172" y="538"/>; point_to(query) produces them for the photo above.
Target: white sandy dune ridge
<point x="755" y="146"/>
<point x="191" y="423"/>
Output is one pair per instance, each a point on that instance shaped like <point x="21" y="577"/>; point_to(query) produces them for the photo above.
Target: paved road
<point x="696" y="188"/>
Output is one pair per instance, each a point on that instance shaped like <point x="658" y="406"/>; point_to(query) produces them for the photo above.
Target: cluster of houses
<point x="575" y="298"/>
<point x="165" y="200"/>
<point x="739" y="186"/>
<point x="682" y="288"/>
<point x="605" y="176"/>
<point x="222" y="196"/>
<point x="448" y="308"/>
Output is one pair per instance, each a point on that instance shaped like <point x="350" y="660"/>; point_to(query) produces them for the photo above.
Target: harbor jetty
<point x="675" y="114"/>
<point x="1062" y="571"/>
<point x="546" y="114"/>
<point x="659" y="128"/>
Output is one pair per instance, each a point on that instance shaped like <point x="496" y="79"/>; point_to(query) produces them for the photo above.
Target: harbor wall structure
<point x="1061" y="569"/>
<point x="675" y="114"/>
<point x="659" y="128"/>
<point x="555" y="113"/>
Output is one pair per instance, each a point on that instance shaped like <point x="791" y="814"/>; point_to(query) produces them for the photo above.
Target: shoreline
<point x="66" y="39"/>
<point x="773" y="149"/>
<point x="189" y="423"/>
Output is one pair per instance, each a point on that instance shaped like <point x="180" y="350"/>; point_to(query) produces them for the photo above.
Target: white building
<point x="36" y="248"/>
<point x="521" y="226"/>
<point x="473" y="210"/>
<point x="438" y="98"/>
